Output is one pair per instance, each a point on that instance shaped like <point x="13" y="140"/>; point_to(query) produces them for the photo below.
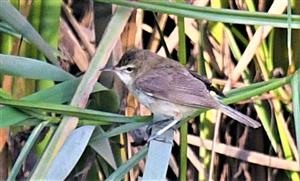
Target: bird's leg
<point x="163" y="130"/>
<point x="158" y="123"/>
<point x="168" y="126"/>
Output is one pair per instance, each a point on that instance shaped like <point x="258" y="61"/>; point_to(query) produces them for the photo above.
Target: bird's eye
<point x="129" y="69"/>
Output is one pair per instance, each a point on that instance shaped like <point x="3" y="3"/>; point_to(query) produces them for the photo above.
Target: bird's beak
<point x="107" y="69"/>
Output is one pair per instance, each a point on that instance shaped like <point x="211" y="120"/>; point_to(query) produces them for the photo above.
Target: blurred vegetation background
<point x="61" y="119"/>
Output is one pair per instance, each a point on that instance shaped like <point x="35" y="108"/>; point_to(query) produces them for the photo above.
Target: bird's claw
<point x="160" y="139"/>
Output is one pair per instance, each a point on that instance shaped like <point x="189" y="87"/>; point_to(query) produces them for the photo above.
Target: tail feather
<point x="242" y="118"/>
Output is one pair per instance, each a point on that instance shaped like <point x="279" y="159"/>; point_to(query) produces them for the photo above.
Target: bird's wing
<point x="177" y="85"/>
<point x="207" y="83"/>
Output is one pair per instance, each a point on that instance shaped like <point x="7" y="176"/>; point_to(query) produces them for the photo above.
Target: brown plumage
<point x="168" y="88"/>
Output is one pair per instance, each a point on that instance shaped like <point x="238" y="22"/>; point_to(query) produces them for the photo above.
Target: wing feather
<point x="175" y="84"/>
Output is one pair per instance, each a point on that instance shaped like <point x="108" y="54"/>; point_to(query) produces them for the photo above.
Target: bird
<point x="167" y="88"/>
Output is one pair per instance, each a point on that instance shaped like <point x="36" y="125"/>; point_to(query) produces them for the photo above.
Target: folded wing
<point x="177" y="86"/>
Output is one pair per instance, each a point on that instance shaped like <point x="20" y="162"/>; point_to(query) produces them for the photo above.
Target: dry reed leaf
<point x="174" y="165"/>
<point x="146" y="28"/>
<point x="83" y="37"/>
<point x="71" y="49"/>
<point x="262" y="32"/>
<point x="215" y="141"/>
<point x="200" y="3"/>
<point x="245" y="155"/>
<point x="227" y="61"/>
<point x="222" y="82"/>
<point x="131" y="105"/>
<point x="4" y="134"/>
<point x="191" y="30"/>
<point x="155" y="37"/>
<point x="171" y="41"/>
<point x="139" y="30"/>
<point x="87" y="25"/>
<point x="129" y="34"/>
<point x="190" y="24"/>
<point x="194" y="159"/>
<point x="211" y="53"/>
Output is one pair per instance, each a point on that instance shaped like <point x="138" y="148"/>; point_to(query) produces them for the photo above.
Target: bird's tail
<point x="242" y="118"/>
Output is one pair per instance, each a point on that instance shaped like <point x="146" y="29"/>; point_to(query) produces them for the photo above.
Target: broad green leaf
<point x="70" y="153"/>
<point x="100" y="137"/>
<point x="72" y="111"/>
<point x="4" y="27"/>
<point x="60" y="93"/>
<point x="31" y="68"/>
<point x="119" y="130"/>
<point x="211" y="14"/>
<point x="103" y="148"/>
<point x="12" y="16"/>
<point x="255" y="89"/>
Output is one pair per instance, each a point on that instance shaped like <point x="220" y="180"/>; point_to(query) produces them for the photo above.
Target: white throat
<point x="125" y="78"/>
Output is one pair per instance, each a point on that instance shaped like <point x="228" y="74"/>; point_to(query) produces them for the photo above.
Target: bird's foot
<point x="160" y="139"/>
<point x="159" y="123"/>
<point x="160" y="129"/>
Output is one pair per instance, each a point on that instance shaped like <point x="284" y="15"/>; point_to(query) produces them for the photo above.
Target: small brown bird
<point x="168" y="88"/>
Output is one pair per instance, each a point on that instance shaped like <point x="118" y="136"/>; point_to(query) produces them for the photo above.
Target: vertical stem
<point x="213" y="153"/>
<point x="184" y="127"/>
<point x="295" y="82"/>
<point x="182" y="46"/>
